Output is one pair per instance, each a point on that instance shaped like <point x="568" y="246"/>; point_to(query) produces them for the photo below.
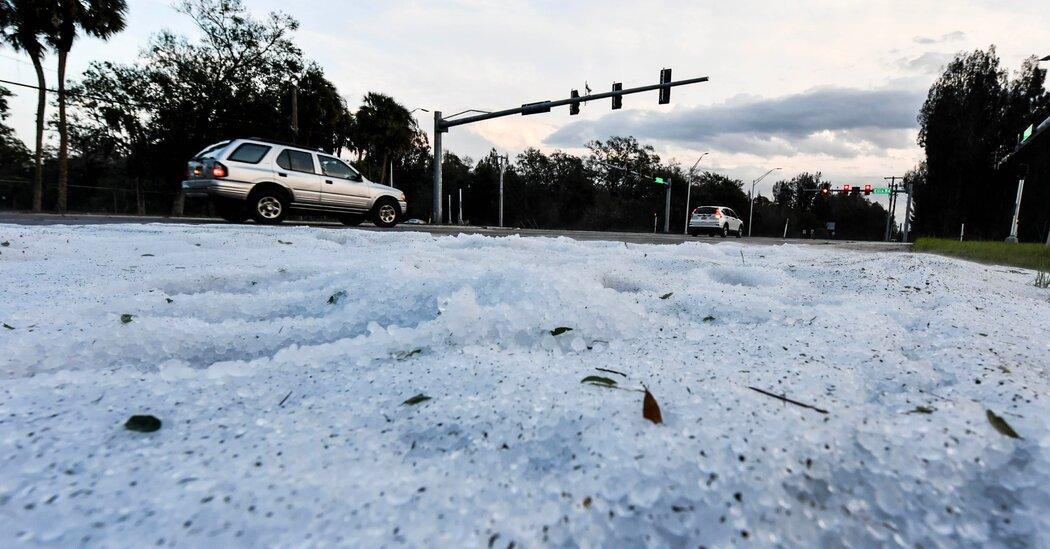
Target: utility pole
<point x="503" y="161"/>
<point x="460" y="216"/>
<point x="688" y="191"/>
<point x="442" y="125"/>
<point x="889" y="212"/>
<point x="391" y="173"/>
<point x="295" y="114"/>
<point x="907" y="210"/>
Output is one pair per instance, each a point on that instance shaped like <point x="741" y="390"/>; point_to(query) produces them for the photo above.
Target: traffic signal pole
<point x="442" y="125"/>
<point x="435" y="216"/>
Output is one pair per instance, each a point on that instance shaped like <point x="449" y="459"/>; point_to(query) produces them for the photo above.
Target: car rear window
<point x="297" y="161"/>
<point x="210" y="150"/>
<point x="249" y="153"/>
<point x="706" y="210"/>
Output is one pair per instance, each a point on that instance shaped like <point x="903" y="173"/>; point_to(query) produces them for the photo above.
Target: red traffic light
<point x="867" y="190"/>
<point x="846" y="188"/>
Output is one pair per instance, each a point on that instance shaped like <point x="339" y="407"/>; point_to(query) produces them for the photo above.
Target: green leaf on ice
<point x="416" y="399"/>
<point x="599" y="380"/>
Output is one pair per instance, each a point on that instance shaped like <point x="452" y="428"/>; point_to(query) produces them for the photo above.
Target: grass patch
<point x="1028" y="256"/>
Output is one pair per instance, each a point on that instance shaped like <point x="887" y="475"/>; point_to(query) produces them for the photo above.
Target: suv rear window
<point x="296" y="161"/>
<point x="706" y="210"/>
<point x="210" y="150"/>
<point x="249" y="153"/>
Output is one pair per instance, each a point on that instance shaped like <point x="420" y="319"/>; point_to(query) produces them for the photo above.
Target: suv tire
<point x="267" y="206"/>
<point x="386" y="213"/>
<point x="231" y="210"/>
<point x="725" y="231"/>
<point x="740" y="232"/>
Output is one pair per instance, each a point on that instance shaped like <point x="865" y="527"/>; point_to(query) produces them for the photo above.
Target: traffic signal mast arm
<point x="545" y="106"/>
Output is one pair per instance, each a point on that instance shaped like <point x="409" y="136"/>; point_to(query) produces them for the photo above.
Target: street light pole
<point x="667" y="207"/>
<point x="503" y="161"/>
<point x="689" y="189"/>
<point x="751" y="208"/>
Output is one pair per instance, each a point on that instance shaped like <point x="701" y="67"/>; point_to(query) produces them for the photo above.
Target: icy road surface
<point x="279" y="361"/>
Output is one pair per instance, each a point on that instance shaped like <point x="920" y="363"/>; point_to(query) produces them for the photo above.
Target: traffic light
<point x="846" y="189"/>
<point x="825" y="189"/>
<point x="867" y="190"/>
<point x="855" y="191"/>
<point x="574" y="108"/>
<point x="665" y="93"/>
<point x="617" y="99"/>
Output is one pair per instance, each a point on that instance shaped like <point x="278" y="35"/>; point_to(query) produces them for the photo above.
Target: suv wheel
<point x="385" y="213"/>
<point x="740" y="232"/>
<point x="725" y="231"/>
<point x="268" y="207"/>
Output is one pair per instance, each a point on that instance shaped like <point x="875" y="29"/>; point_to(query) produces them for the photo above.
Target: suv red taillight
<point x="718" y="214"/>
<point x="218" y="170"/>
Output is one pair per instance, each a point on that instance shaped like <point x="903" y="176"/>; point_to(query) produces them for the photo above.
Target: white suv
<point x="264" y="180"/>
<point x="715" y="220"/>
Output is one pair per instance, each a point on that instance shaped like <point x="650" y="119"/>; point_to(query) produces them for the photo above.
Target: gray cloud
<point x="950" y="37"/>
<point x="930" y="62"/>
<point x="838" y="122"/>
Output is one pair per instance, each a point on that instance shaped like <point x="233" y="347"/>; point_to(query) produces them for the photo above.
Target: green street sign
<point x="881" y="190"/>
<point x="660" y="181"/>
<point x="1027" y="133"/>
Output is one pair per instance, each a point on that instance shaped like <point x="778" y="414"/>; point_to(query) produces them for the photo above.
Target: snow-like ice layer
<point x="512" y="447"/>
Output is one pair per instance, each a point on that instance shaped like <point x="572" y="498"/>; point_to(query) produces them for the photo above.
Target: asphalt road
<point x="23" y="218"/>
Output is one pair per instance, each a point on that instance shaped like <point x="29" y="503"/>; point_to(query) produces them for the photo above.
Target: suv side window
<point x="297" y="161"/>
<point x="249" y="153"/>
<point x="334" y="167"/>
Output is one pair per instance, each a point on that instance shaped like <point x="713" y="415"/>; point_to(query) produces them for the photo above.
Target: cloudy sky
<point x="830" y="86"/>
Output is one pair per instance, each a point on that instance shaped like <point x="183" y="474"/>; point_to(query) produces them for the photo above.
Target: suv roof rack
<point x="285" y="143"/>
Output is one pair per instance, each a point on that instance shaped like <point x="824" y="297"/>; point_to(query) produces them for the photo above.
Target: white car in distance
<point x="715" y="220"/>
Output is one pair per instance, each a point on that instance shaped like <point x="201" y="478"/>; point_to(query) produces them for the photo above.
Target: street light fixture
<point x="751" y="209"/>
<point x="1047" y="58"/>
<point x="688" y="190"/>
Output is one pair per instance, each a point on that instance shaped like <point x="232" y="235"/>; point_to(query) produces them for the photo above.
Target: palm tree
<point x="383" y="130"/>
<point x="99" y="18"/>
<point x="25" y="25"/>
